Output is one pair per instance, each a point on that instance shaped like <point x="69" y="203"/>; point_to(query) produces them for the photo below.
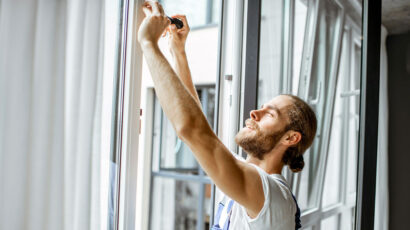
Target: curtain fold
<point x="381" y="218"/>
<point x="51" y="55"/>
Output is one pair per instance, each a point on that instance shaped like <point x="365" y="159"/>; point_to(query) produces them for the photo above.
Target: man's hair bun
<point x="297" y="163"/>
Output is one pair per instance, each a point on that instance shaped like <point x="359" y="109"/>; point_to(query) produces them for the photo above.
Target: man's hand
<point x="153" y="25"/>
<point x="177" y="37"/>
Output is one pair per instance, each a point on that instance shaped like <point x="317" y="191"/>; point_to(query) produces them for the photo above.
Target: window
<point x="181" y="191"/>
<point x="322" y="67"/>
<point x="175" y="191"/>
<point x="308" y="48"/>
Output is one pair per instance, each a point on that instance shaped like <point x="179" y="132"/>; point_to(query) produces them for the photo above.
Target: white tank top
<point x="277" y="213"/>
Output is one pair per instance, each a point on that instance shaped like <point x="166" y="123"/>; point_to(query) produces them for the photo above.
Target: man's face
<point x="265" y="127"/>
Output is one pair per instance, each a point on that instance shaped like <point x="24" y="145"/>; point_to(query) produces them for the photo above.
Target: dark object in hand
<point x="178" y="23"/>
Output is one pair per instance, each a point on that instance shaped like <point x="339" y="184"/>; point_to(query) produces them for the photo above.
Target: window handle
<point x="140" y="121"/>
<point x="318" y="93"/>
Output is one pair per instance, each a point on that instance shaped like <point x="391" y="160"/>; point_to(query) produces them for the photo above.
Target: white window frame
<point x="130" y="133"/>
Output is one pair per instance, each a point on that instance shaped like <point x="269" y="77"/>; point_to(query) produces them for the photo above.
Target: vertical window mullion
<point x="287" y="67"/>
<point x="329" y="102"/>
<point x="308" y="49"/>
<point x="200" y="212"/>
<point x="369" y="114"/>
<point x="287" y="45"/>
<point x="209" y="7"/>
<point x="346" y="114"/>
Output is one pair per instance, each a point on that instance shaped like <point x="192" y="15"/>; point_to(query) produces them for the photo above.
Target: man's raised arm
<point x="235" y="178"/>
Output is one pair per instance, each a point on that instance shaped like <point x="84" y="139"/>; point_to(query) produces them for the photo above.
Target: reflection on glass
<point x="175" y="204"/>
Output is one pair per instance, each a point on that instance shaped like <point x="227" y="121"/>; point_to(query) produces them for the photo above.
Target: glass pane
<point x="168" y="153"/>
<point x="270" y="50"/>
<point x="330" y="223"/>
<point x="208" y="206"/>
<point x="174" y="154"/>
<point x="335" y="163"/>
<point x="321" y="69"/>
<point x="299" y="35"/>
<point x="353" y="131"/>
<point x="175" y="204"/>
<point x="316" y="86"/>
<point x="326" y="73"/>
<point x="306" y="182"/>
<point x="347" y="220"/>
<point x="199" y="12"/>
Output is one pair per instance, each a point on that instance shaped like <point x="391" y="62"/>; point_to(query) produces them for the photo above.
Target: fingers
<point x="182" y="18"/>
<point x="173" y="28"/>
<point x="165" y="32"/>
<point x="146" y="8"/>
<point x="156" y="7"/>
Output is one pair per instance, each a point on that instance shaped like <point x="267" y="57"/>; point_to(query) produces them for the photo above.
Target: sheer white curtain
<point x="381" y="218"/>
<point x="50" y="109"/>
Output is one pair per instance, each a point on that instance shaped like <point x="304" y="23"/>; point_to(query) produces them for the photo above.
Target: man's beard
<point x="255" y="142"/>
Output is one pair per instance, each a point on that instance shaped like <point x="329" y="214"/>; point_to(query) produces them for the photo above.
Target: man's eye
<point x="271" y="115"/>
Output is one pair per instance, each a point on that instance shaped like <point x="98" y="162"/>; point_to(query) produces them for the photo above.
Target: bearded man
<point x="256" y="194"/>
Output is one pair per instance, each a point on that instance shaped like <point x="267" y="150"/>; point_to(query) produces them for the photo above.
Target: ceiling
<point x="396" y="16"/>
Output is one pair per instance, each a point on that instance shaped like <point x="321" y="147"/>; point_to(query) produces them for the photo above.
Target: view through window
<point x="310" y="48"/>
<point x="323" y="69"/>
<point x="180" y="191"/>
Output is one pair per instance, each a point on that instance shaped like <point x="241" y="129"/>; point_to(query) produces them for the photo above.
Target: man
<point x="257" y="196"/>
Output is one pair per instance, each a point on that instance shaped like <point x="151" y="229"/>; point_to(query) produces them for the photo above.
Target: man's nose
<point x="254" y="114"/>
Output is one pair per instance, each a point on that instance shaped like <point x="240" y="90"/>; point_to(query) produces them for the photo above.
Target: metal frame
<point x="369" y="114"/>
<point x="251" y="58"/>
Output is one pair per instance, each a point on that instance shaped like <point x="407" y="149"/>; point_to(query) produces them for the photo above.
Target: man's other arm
<point x="177" y="40"/>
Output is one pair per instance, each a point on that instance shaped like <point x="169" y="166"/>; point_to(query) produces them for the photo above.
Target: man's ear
<point x="292" y="138"/>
